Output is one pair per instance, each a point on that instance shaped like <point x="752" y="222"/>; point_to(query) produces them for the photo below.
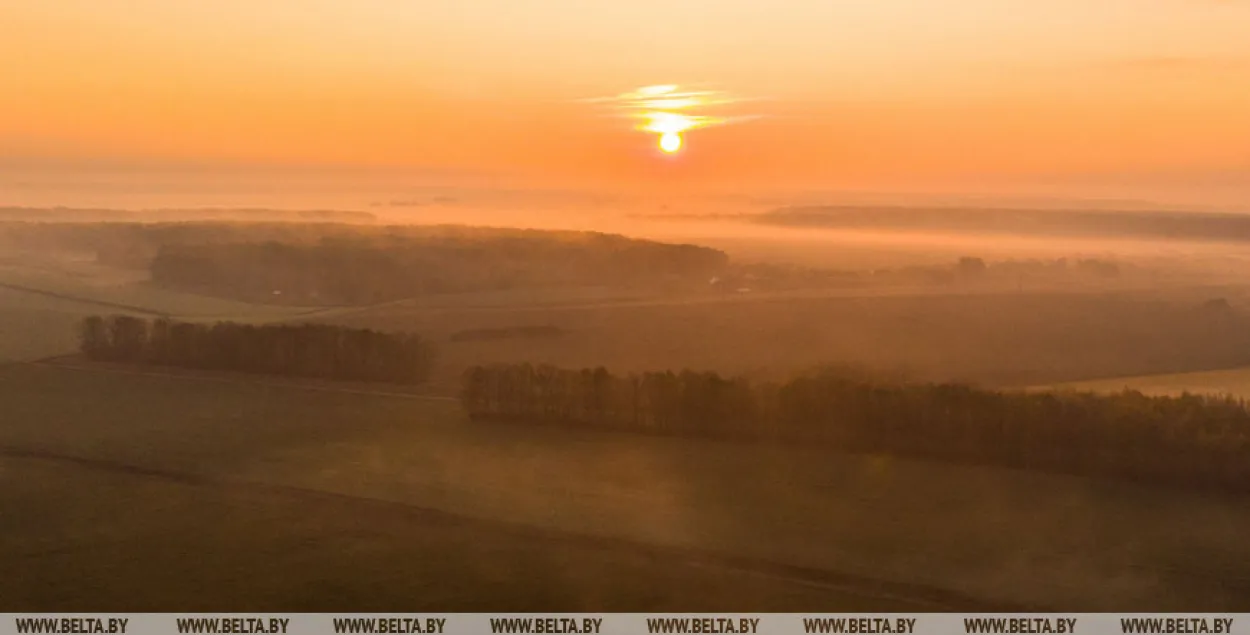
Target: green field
<point x="376" y="502"/>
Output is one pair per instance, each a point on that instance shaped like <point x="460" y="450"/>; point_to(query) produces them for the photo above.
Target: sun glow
<point x="665" y="110"/>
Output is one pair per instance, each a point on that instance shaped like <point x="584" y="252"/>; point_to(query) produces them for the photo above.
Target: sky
<point x="1127" y="98"/>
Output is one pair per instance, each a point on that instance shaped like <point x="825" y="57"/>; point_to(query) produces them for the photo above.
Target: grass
<point x="1009" y="537"/>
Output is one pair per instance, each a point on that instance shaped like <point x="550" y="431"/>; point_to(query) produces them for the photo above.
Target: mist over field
<point x="650" y="306"/>
<point x="278" y="355"/>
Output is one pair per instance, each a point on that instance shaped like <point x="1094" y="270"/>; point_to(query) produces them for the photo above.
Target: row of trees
<point x="1192" y="440"/>
<point x="313" y="350"/>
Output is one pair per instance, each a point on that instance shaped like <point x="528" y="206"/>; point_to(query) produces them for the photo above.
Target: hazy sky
<point x="881" y="94"/>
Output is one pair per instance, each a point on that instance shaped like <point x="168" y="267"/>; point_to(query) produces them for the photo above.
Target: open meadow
<point x="126" y="474"/>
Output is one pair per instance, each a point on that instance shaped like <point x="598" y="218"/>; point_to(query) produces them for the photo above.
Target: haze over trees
<point x="1186" y="440"/>
<point x="1147" y="224"/>
<point x="250" y="214"/>
<point x="332" y="263"/>
<point x="328" y="263"/>
<point x="311" y="350"/>
<point x="351" y="270"/>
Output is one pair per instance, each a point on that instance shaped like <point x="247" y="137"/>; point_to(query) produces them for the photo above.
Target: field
<point x="117" y="541"/>
<point x="79" y="279"/>
<point x="33" y="327"/>
<point x="940" y="332"/>
<point x="989" y="338"/>
<point x="375" y="500"/>
<point x="120" y="481"/>
<point x="43" y="298"/>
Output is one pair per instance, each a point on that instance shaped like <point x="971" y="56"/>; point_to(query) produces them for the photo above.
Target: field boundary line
<point x="82" y="300"/>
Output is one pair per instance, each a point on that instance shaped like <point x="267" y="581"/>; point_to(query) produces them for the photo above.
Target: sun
<point x="669" y="111"/>
<point x="670" y="142"/>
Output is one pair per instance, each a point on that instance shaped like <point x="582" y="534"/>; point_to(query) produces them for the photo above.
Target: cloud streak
<point x="671" y="109"/>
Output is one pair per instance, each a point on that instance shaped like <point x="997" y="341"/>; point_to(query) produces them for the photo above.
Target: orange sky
<point x="889" y="94"/>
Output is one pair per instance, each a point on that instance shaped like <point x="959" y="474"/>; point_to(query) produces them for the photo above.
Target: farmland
<point x="543" y="308"/>
<point x="43" y="298"/>
<point x="88" y="282"/>
<point x="990" y="338"/>
<point x="32" y="327"/>
<point x="187" y="451"/>
<point x="376" y="494"/>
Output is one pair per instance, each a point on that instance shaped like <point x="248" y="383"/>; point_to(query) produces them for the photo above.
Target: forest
<point x="343" y="264"/>
<point x="1189" y="440"/>
<point x="1157" y="224"/>
<point x="310" y="350"/>
<point x="328" y="263"/>
<point x="358" y="271"/>
<point x="252" y="214"/>
<point x="771" y="276"/>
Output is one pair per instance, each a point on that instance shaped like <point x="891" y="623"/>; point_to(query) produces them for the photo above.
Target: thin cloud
<point x="673" y="109"/>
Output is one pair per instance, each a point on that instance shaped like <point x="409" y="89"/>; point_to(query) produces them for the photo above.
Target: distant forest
<point x="339" y="264"/>
<point x="359" y="271"/>
<point x="311" y="350"/>
<point x="324" y="263"/>
<point x="968" y="269"/>
<point x="1173" y="225"/>
<point x="133" y="245"/>
<point x="1187" y="440"/>
<point x="249" y="214"/>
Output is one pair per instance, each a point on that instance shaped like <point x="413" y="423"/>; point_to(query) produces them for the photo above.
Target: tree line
<point x="1149" y="224"/>
<point x="355" y="270"/>
<point x="331" y="261"/>
<point x="311" y="350"/>
<point x="1189" y="439"/>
